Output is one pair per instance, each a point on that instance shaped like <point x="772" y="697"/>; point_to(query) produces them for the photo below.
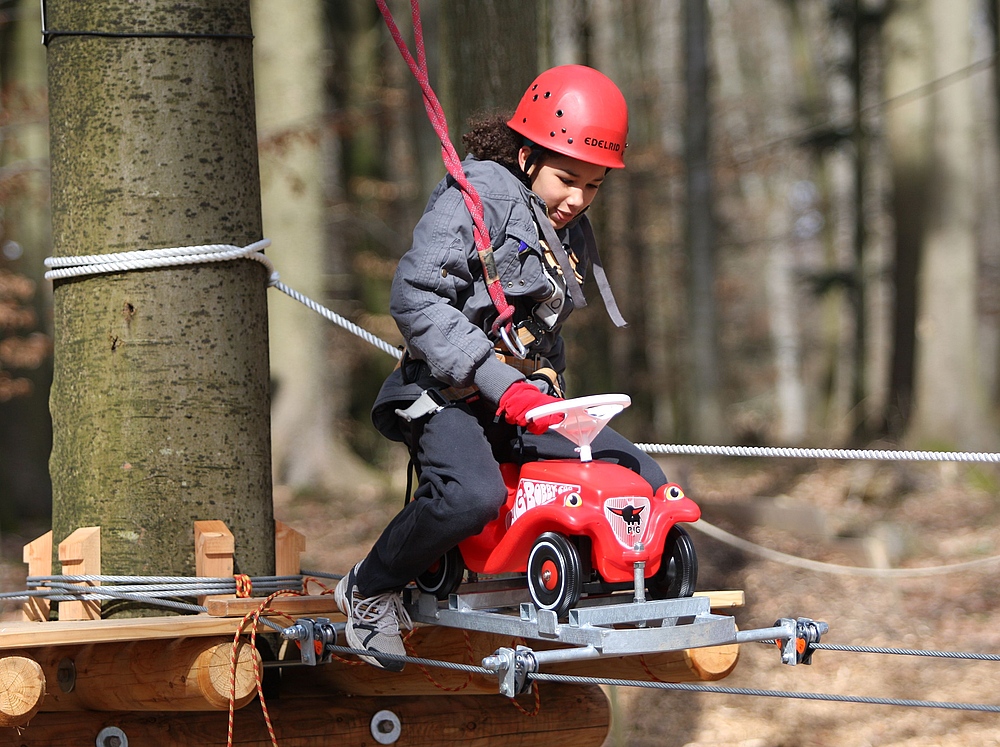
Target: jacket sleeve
<point x="438" y="299"/>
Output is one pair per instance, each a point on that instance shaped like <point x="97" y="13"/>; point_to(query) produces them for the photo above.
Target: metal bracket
<point x="314" y="638"/>
<point x="801" y="635"/>
<point x="512" y="668"/>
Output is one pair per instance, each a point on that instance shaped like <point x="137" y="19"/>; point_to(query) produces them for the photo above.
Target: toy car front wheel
<point x="444" y="577"/>
<point x="678" y="572"/>
<point x="554" y="573"/>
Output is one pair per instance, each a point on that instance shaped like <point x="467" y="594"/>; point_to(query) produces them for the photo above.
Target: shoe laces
<point x="384" y="612"/>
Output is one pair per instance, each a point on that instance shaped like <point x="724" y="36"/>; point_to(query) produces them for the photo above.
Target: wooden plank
<point x="724" y="599"/>
<point x="214" y="546"/>
<point x="569" y="716"/>
<point x="17" y="635"/>
<point x="289" y="545"/>
<point x="22" y="689"/>
<point x="38" y="556"/>
<point x="322" y="605"/>
<point x="80" y="555"/>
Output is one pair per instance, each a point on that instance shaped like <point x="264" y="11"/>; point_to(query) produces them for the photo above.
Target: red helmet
<point x="576" y="111"/>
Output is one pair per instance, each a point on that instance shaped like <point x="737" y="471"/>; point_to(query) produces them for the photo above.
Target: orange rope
<point x="244" y="586"/>
<point x="253" y="616"/>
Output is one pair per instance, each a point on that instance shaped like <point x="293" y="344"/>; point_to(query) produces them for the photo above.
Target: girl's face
<point x="566" y="185"/>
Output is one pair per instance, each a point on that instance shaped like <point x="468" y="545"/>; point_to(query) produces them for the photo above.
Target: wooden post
<point x="38" y="556"/>
<point x="22" y="689"/>
<point x="80" y="555"/>
<point x="289" y="545"/>
<point x="214" y="546"/>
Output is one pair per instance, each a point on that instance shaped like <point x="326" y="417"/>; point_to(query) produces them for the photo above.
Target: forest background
<point x="806" y="240"/>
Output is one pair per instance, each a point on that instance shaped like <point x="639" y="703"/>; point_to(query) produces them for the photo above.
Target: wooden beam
<point x="289" y="545"/>
<point x="22" y="689"/>
<point x="190" y="674"/>
<point x="80" y="555"/>
<point x="569" y="716"/>
<point x="214" y="546"/>
<point x="38" y="556"/>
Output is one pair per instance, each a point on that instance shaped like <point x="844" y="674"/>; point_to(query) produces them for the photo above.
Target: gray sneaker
<point x="373" y="623"/>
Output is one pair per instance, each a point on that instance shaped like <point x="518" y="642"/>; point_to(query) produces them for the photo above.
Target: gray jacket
<point x="440" y="301"/>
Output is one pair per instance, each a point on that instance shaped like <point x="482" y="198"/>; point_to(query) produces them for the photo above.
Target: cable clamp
<point x="314" y="638"/>
<point x="797" y="647"/>
<point x="512" y="667"/>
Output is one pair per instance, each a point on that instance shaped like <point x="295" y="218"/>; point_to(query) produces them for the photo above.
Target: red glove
<point x="522" y="396"/>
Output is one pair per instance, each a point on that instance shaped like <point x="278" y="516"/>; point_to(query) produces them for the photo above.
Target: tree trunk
<point x="705" y="416"/>
<point x="295" y="163"/>
<point x="491" y="48"/>
<point x="950" y="405"/>
<point x="160" y="393"/>
<point x="25" y="427"/>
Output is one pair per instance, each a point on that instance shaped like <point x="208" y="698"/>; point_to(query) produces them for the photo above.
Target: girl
<point x="460" y="395"/>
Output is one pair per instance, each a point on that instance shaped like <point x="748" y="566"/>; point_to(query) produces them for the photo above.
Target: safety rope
<point x="885" y="455"/>
<point x="450" y="157"/>
<point x="97" y="264"/>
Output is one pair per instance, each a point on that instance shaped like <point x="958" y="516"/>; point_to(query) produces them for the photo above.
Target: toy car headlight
<point x="673" y="493"/>
<point x="573" y="500"/>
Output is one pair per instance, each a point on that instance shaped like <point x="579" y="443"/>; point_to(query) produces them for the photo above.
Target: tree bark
<point x="160" y="398"/>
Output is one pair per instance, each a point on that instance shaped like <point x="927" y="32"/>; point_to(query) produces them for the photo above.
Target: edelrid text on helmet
<point x="576" y="111"/>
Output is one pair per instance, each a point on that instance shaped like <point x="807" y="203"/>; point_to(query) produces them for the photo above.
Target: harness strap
<point x="603" y="285"/>
<point x="556" y="247"/>
<point x="593" y="257"/>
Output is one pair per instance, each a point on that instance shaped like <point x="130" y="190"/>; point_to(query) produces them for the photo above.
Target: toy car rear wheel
<point x="678" y="572"/>
<point x="444" y="577"/>
<point x="554" y="579"/>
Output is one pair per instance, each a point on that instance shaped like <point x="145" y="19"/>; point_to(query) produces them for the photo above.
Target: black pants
<point x="460" y="489"/>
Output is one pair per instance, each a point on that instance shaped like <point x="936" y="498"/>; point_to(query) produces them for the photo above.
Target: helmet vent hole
<point x="552" y="134"/>
<point x="535" y="97"/>
<point x="548" y="93"/>
<point x="569" y="140"/>
<point x="559" y="112"/>
<point x="563" y="130"/>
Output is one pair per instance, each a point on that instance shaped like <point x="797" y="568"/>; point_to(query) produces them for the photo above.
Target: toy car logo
<point x="532" y="493"/>
<point x="627" y="516"/>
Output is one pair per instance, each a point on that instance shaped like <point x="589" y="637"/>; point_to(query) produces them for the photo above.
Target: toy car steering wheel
<point x="583" y="417"/>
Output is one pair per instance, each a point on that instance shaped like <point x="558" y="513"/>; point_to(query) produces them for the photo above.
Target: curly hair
<point x="490" y="139"/>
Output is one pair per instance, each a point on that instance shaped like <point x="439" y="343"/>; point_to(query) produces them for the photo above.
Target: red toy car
<point x="580" y="526"/>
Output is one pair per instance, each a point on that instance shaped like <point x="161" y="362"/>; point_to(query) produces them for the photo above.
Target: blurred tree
<point x="299" y="173"/>
<point x="936" y="260"/>
<point x="25" y="428"/>
<point x="160" y="392"/>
